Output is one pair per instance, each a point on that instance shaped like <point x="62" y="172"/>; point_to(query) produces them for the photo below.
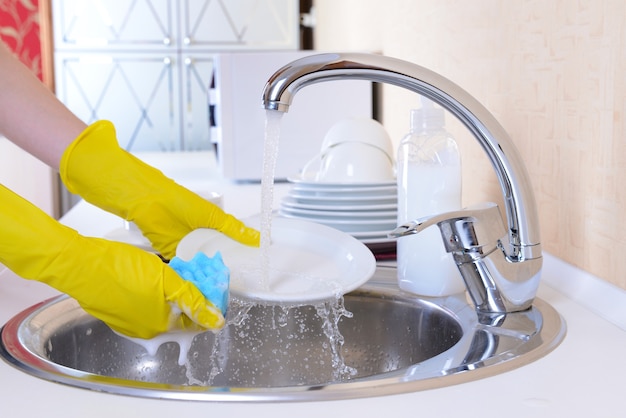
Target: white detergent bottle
<point x="429" y="183"/>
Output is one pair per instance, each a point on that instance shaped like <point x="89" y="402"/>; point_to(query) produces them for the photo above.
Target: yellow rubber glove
<point x="96" y="168"/>
<point x="127" y="288"/>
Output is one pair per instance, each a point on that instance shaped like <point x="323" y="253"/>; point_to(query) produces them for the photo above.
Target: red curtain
<point x="19" y="29"/>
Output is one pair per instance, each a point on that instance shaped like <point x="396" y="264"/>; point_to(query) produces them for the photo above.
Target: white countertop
<point x="582" y="377"/>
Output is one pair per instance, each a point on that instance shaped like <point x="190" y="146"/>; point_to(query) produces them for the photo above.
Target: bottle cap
<point x="428" y="117"/>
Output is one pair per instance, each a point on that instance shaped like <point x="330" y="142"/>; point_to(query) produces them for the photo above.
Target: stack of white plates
<point x="367" y="211"/>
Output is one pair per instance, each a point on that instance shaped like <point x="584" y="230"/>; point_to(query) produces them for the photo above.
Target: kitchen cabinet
<point x="139" y="93"/>
<point x="146" y="65"/>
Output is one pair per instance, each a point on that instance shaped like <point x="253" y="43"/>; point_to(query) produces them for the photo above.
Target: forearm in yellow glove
<point x="129" y="289"/>
<point x="96" y="168"/>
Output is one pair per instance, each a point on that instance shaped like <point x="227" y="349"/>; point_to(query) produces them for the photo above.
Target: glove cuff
<point x="96" y="168"/>
<point x="104" y="130"/>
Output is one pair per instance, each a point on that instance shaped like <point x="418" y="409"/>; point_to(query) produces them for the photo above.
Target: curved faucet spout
<point x="523" y="227"/>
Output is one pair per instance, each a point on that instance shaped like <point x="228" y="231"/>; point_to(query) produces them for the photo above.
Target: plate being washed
<point x="307" y="261"/>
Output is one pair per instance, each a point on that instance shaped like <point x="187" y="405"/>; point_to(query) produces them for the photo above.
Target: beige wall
<point x="553" y="72"/>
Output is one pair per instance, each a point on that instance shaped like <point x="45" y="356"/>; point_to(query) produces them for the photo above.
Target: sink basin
<point x="384" y="342"/>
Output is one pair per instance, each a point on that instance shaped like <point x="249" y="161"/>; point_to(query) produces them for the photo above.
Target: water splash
<point x="331" y="312"/>
<point x="242" y="325"/>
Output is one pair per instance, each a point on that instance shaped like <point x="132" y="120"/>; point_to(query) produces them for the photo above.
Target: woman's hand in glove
<point x="131" y="290"/>
<point x="96" y="168"/>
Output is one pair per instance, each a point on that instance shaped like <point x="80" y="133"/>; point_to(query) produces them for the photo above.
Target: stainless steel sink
<point x="392" y="343"/>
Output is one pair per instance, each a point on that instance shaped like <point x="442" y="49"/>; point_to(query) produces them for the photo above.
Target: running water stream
<point x="270" y="154"/>
<point x="329" y="311"/>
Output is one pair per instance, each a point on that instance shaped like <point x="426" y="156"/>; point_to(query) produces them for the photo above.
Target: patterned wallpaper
<point x="19" y="29"/>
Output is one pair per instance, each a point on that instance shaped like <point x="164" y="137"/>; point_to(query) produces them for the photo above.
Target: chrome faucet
<point x="501" y="266"/>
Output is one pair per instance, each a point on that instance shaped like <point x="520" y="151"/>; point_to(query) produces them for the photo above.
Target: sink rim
<point x="428" y="374"/>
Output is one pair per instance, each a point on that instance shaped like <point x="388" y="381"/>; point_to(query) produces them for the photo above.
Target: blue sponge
<point x="210" y="275"/>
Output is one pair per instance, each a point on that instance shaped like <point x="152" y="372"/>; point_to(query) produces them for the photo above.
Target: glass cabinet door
<point x="125" y="24"/>
<point x="197" y="77"/>
<point x="147" y="65"/>
<point x="138" y="93"/>
<point x="240" y="24"/>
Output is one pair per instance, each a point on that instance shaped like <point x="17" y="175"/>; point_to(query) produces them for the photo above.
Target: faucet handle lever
<point x="473" y="235"/>
<point x="475" y="229"/>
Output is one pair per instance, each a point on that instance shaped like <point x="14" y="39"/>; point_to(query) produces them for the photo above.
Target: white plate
<point x="333" y="214"/>
<point x="308" y="261"/>
<point x="343" y="191"/>
<point x="309" y="179"/>
<point x="334" y="190"/>
<point x="337" y="206"/>
<point x="367" y="235"/>
<point x="344" y="199"/>
<point x="348" y="225"/>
